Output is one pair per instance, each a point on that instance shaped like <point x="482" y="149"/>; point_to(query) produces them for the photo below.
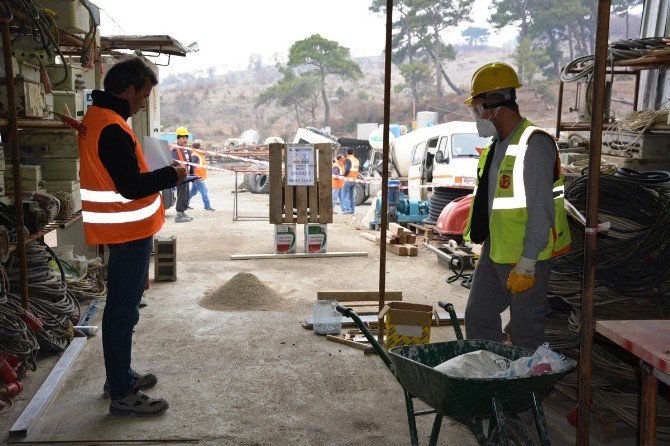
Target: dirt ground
<point x="254" y="377"/>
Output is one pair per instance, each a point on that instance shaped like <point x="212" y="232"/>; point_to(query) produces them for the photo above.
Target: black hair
<point x="132" y="71"/>
<point x="350" y="151"/>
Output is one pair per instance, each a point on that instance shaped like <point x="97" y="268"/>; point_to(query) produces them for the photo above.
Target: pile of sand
<point x="244" y="292"/>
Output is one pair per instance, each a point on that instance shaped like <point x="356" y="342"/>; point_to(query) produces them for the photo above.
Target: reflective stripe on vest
<point x="121" y="217"/>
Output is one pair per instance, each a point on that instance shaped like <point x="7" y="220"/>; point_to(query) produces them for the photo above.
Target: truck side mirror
<point x="439" y="157"/>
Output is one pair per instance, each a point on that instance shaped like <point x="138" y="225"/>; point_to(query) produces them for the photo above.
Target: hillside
<point x="220" y="107"/>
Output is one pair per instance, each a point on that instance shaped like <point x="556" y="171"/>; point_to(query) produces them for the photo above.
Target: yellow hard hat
<point x="490" y="77"/>
<point x="182" y="131"/>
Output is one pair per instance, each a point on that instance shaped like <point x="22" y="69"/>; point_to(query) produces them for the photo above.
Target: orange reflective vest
<point x="108" y="217"/>
<point x="338" y="182"/>
<point x="353" y="172"/>
<point x="200" y="171"/>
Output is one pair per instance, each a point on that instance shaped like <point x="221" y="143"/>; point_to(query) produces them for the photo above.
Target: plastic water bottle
<point x="326" y="319"/>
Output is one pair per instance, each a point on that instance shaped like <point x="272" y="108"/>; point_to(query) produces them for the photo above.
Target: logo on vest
<point x="505" y="181"/>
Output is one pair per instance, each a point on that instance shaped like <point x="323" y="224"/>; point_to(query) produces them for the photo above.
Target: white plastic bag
<point x="477" y="364"/>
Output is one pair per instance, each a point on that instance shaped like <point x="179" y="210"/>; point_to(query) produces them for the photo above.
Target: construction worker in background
<point x="122" y="208"/>
<point x="181" y="153"/>
<point x="338" y="170"/>
<point x="351" y="172"/>
<point x="198" y="157"/>
<point x="517" y="214"/>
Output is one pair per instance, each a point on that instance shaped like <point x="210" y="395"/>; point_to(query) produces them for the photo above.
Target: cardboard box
<point x="407" y="324"/>
<point x="315" y="237"/>
<point x="285" y="238"/>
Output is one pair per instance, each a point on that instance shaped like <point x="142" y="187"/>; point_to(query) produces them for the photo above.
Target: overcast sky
<point x="229" y="31"/>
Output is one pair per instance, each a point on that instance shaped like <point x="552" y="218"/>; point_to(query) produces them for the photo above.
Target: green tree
<point x="475" y="35"/>
<point x="623" y="7"/>
<point x="434" y="17"/>
<point x="324" y="57"/>
<point x="296" y="93"/>
<point x="528" y="61"/>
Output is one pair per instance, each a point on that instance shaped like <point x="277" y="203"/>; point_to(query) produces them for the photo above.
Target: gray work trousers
<point x="489" y="297"/>
<point x="182" y="197"/>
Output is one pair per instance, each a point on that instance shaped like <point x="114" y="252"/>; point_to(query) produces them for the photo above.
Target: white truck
<point x="443" y="155"/>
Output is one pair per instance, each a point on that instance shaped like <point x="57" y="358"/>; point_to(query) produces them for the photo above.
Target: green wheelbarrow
<point x="469" y="401"/>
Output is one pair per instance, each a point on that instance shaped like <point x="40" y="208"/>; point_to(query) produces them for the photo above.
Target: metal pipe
<point x="591" y="230"/>
<point x="560" y="109"/>
<point x="13" y="133"/>
<point x="36" y="124"/>
<point x="385" y="162"/>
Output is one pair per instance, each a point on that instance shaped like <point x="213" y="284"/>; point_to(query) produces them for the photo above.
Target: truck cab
<point x="446" y="157"/>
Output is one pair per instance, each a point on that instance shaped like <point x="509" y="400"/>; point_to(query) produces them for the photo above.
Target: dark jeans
<point x="182" y="197"/>
<point x="127" y="273"/>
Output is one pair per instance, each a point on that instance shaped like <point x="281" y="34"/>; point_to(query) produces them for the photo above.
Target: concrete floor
<point x="254" y="378"/>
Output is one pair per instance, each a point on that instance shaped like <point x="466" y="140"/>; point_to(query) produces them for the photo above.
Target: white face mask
<point x="485" y="127"/>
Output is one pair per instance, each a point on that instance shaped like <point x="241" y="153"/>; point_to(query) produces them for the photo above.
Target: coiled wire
<point x="632" y="282"/>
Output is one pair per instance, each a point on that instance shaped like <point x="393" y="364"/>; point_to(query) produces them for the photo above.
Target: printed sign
<point x="300" y="166"/>
<point x="505" y="181"/>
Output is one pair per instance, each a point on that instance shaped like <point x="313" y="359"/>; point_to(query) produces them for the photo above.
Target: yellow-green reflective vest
<point x="507" y="224"/>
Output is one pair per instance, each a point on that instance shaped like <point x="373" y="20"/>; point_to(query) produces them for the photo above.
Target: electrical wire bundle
<point x="619" y="50"/>
<point x="16" y="338"/>
<point x="91" y="286"/>
<point x="49" y="300"/>
<point x="625" y="134"/>
<point x="632" y="282"/>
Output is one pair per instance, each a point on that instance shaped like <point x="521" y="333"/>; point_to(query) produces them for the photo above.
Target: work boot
<point x="138" y="404"/>
<point x="142" y="382"/>
<point x="209" y="209"/>
<point x="182" y="218"/>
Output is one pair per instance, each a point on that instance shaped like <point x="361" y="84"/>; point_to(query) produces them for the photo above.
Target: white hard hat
<point x="197" y="141"/>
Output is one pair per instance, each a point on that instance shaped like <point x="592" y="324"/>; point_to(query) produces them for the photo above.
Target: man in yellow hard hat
<point x="517" y="214"/>
<point x="181" y="153"/>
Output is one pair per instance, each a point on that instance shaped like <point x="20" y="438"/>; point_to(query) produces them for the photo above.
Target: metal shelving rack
<point x="10" y="128"/>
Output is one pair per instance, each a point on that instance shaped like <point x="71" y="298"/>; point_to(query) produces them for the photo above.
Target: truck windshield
<point x="464" y="145"/>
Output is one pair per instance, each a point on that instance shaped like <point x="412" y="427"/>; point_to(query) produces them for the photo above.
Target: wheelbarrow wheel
<point x="517" y="434"/>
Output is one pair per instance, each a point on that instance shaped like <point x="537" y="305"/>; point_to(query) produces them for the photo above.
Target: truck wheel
<point x="248" y="182"/>
<point x="263" y="184"/>
<point x="253" y="183"/>
<point x="359" y="194"/>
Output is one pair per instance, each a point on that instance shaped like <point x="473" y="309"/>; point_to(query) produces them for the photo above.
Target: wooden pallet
<point x="312" y="204"/>
<point x="426" y="231"/>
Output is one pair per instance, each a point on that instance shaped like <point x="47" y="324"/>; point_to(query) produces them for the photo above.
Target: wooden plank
<point x="646" y="339"/>
<point x="349" y="342"/>
<point x="325" y="160"/>
<point x="301" y="204"/>
<point x="48" y="390"/>
<point x="357" y="296"/>
<point x="299" y="255"/>
<point x="313" y="197"/>
<point x="276" y="205"/>
<point x="412" y="250"/>
<point x="443" y="319"/>
<point x="288" y="204"/>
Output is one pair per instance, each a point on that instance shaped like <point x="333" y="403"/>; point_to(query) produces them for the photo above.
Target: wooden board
<point x="325" y="160"/>
<point x="357" y="296"/>
<point x="288" y="204"/>
<point x="349" y="342"/>
<point x="301" y="204"/>
<point x="276" y="183"/>
<point x="313" y="202"/>
<point x="646" y="339"/>
<point x="371" y="320"/>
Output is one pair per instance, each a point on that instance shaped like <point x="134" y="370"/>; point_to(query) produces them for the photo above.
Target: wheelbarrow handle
<point x="349" y="312"/>
<point x="454" y="319"/>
